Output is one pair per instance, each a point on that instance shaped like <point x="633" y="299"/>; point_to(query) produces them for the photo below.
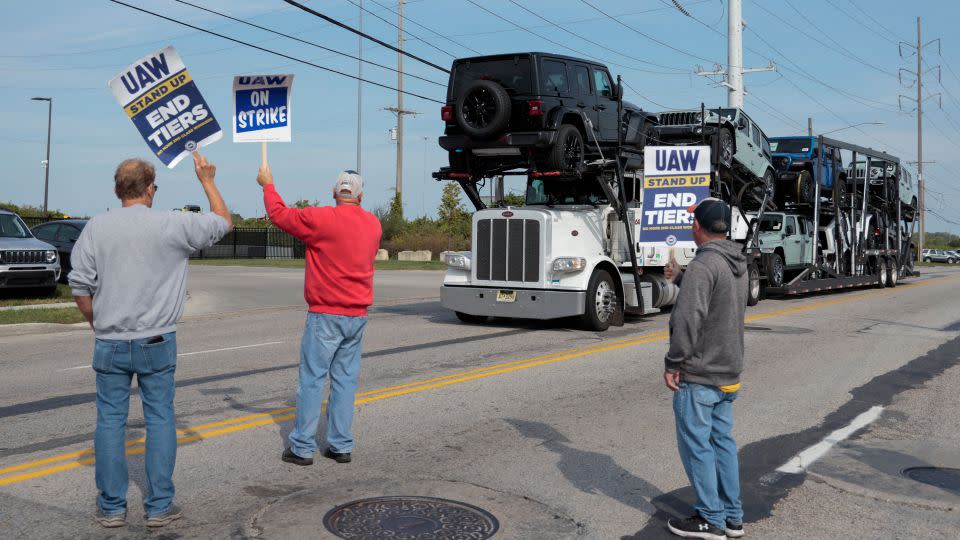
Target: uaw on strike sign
<point x="159" y="95"/>
<point x="674" y="179"/>
<point x="261" y="108"/>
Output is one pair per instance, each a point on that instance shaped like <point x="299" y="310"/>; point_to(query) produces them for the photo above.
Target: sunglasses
<point x="155" y="187"/>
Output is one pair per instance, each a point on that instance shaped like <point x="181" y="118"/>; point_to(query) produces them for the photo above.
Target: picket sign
<point x="262" y="109"/>
<point x="161" y="98"/>
<point x="674" y="179"/>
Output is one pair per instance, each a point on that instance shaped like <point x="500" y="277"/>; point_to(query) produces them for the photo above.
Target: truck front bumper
<point x="12" y="277"/>
<point x="529" y="303"/>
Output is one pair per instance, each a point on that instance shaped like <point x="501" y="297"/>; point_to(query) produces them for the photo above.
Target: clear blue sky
<point x="844" y="72"/>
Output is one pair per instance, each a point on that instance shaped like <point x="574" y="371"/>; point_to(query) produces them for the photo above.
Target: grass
<point x="25" y="297"/>
<point x="299" y="263"/>
<point x="68" y="315"/>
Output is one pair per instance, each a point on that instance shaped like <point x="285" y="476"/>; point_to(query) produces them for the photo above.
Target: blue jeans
<point x="116" y="362"/>
<point x="330" y="344"/>
<point x="704" y="417"/>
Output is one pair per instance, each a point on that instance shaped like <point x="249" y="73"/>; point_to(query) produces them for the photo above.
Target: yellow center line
<point x="223" y="427"/>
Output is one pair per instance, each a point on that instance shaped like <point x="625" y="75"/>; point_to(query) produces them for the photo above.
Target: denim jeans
<point x="330" y="344"/>
<point x="116" y="362"/>
<point x="704" y="417"/>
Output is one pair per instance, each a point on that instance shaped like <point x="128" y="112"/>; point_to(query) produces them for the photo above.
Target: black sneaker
<point x="733" y="530"/>
<point x="339" y="457"/>
<point x="695" y="527"/>
<point x="172" y="514"/>
<point x="290" y="457"/>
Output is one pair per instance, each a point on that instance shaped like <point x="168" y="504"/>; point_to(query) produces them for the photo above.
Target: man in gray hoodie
<point x="703" y="368"/>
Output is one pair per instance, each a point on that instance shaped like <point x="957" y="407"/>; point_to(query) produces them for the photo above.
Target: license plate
<point x="506" y="296"/>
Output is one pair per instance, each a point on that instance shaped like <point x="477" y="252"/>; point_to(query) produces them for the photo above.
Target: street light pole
<point x="46" y="165"/>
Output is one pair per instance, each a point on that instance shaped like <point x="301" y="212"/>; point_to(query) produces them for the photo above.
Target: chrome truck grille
<point x="508" y="250"/>
<point x="679" y="118"/>
<point x="22" y="257"/>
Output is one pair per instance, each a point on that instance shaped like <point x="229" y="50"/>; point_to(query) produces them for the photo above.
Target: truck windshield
<point x="513" y="74"/>
<point x="790" y="146"/>
<point x="555" y="191"/>
<point x="12" y="226"/>
<point x="771" y="223"/>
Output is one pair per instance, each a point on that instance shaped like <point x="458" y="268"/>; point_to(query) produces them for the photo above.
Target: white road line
<point x="804" y="459"/>
<point x="200" y="352"/>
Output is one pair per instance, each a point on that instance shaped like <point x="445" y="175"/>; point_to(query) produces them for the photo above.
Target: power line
<point x="407" y="32"/>
<point x="317" y="45"/>
<point x="634" y="90"/>
<point x="280" y="54"/>
<point x="675" y="71"/>
<point x="857" y="20"/>
<point x="871" y="17"/>
<point x="427" y="28"/>
<point x="366" y="36"/>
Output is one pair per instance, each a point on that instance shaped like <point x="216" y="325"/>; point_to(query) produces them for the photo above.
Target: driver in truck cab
<point x="703" y="368"/>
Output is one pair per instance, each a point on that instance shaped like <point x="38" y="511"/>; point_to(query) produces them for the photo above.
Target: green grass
<point x="299" y="263"/>
<point x="25" y="297"/>
<point x="41" y="315"/>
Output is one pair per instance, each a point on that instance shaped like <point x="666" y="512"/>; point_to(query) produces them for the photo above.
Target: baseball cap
<point x="713" y="214"/>
<point x="349" y="185"/>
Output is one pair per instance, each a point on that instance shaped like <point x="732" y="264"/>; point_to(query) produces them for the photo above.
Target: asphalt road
<point x="558" y="432"/>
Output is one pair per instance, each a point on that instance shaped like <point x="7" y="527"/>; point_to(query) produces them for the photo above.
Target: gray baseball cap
<point x="349" y="185"/>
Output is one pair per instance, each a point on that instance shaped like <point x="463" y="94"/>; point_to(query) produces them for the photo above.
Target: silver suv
<point x="741" y="144"/>
<point x="24" y="260"/>
<point x="938" y="255"/>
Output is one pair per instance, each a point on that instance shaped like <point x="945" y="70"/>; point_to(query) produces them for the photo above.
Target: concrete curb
<point x="38" y="306"/>
<point x="23" y="329"/>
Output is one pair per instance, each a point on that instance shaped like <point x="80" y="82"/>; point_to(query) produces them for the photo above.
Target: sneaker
<point x="695" y="527"/>
<point x="733" y="530"/>
<point x="290" y="457"/>
<point x="110" y="522"/>
<point x="166" y="518"/>
<point x="339" y="457"/>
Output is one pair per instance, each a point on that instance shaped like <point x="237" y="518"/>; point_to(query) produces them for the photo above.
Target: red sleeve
<point x="306" y="224"/>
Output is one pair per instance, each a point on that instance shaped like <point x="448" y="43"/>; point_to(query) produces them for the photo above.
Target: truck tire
<point x="775" y="271"/>
<point x="602" y="301"/>
<point x="482" y="109"/>
<point x="805" y="187"/>
<point x="567" y="152"/>
<point x="725" y="147"/>
<point x="881" y="272"/>
<point x="893" y="273"/>
<point x="471" y="319"/>
<point x="841" y="193"/>
<point x="753" y="285"/>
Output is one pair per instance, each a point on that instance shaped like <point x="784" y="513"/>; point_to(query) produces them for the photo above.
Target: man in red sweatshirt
<point x="342" y="242"/>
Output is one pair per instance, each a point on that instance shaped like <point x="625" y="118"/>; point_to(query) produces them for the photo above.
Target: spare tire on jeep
<point x="482" y="109"/>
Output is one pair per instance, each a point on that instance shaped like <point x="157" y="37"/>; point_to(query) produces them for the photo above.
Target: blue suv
<point x="795" y="159"/>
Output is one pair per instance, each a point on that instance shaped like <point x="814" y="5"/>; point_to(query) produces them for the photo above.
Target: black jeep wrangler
<point x="530" y="111"/>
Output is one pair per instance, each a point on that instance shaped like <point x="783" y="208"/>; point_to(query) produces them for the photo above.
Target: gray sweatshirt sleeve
<point x="83" y="277"/>
<point x="686" y="320"/>
<point x="197" y="231"/>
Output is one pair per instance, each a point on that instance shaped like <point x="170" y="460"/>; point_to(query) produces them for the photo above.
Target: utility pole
<point x="360" y="91"/>
<point x="921" y="183"/>
<point x="399" y="110"/>
<point x="733" y="73"/>
<point x="810" y="126"/>
<point x="46" y="162"/>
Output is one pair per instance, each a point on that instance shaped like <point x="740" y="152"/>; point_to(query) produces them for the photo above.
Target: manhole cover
<point x="941" y="477"/>
<point x="410" y="518"/>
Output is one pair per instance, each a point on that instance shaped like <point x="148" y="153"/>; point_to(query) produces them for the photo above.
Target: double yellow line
<point x="73" y="460"/>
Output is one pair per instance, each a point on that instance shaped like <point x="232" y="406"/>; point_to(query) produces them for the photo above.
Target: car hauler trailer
<point x="858" y="236"/>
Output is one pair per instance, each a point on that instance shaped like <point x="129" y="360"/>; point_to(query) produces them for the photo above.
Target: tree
<point x="453" y="217"/>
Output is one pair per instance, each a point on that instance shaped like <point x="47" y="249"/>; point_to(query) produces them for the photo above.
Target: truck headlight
<point x="51" y="256"/>
<point x="459" y="261"/>
<point x="566" y="265"/>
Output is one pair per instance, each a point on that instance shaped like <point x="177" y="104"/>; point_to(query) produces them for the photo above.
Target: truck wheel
<point x="805" y="187"/>
<point x="567" y="151"/>
<point x="602" y="302"/>
<point x="841" y="191"/>
<point x="725" y="147"/>
<point x="775" y="271"/>
<point x="753" y="285"/>
<point x="471" y="319"/>
<point x="482" y="110"/>
<point x="882" y="272"/>
<point x="893" y="273"/>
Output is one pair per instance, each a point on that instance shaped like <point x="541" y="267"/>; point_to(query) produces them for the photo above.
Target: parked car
<point x="794" y="159"/>
<point x="938" y="255"/>
<point x="62" y="235"/>
<point x="24" y="260"/>
<point x="742" y="146"/>
<point x="531" y="111"/>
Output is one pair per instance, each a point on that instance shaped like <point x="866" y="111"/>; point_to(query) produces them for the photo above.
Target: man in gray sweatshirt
<point x="703" y="368"/>
<point x="129" y="279"/>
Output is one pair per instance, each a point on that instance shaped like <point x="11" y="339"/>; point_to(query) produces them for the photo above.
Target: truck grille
<point x="679" y="118"/>
<point x="508" y="250"/>
<point x="22" y="257"/>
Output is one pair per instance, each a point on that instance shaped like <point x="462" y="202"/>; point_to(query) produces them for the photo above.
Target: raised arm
<point x="206" y="172"/>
